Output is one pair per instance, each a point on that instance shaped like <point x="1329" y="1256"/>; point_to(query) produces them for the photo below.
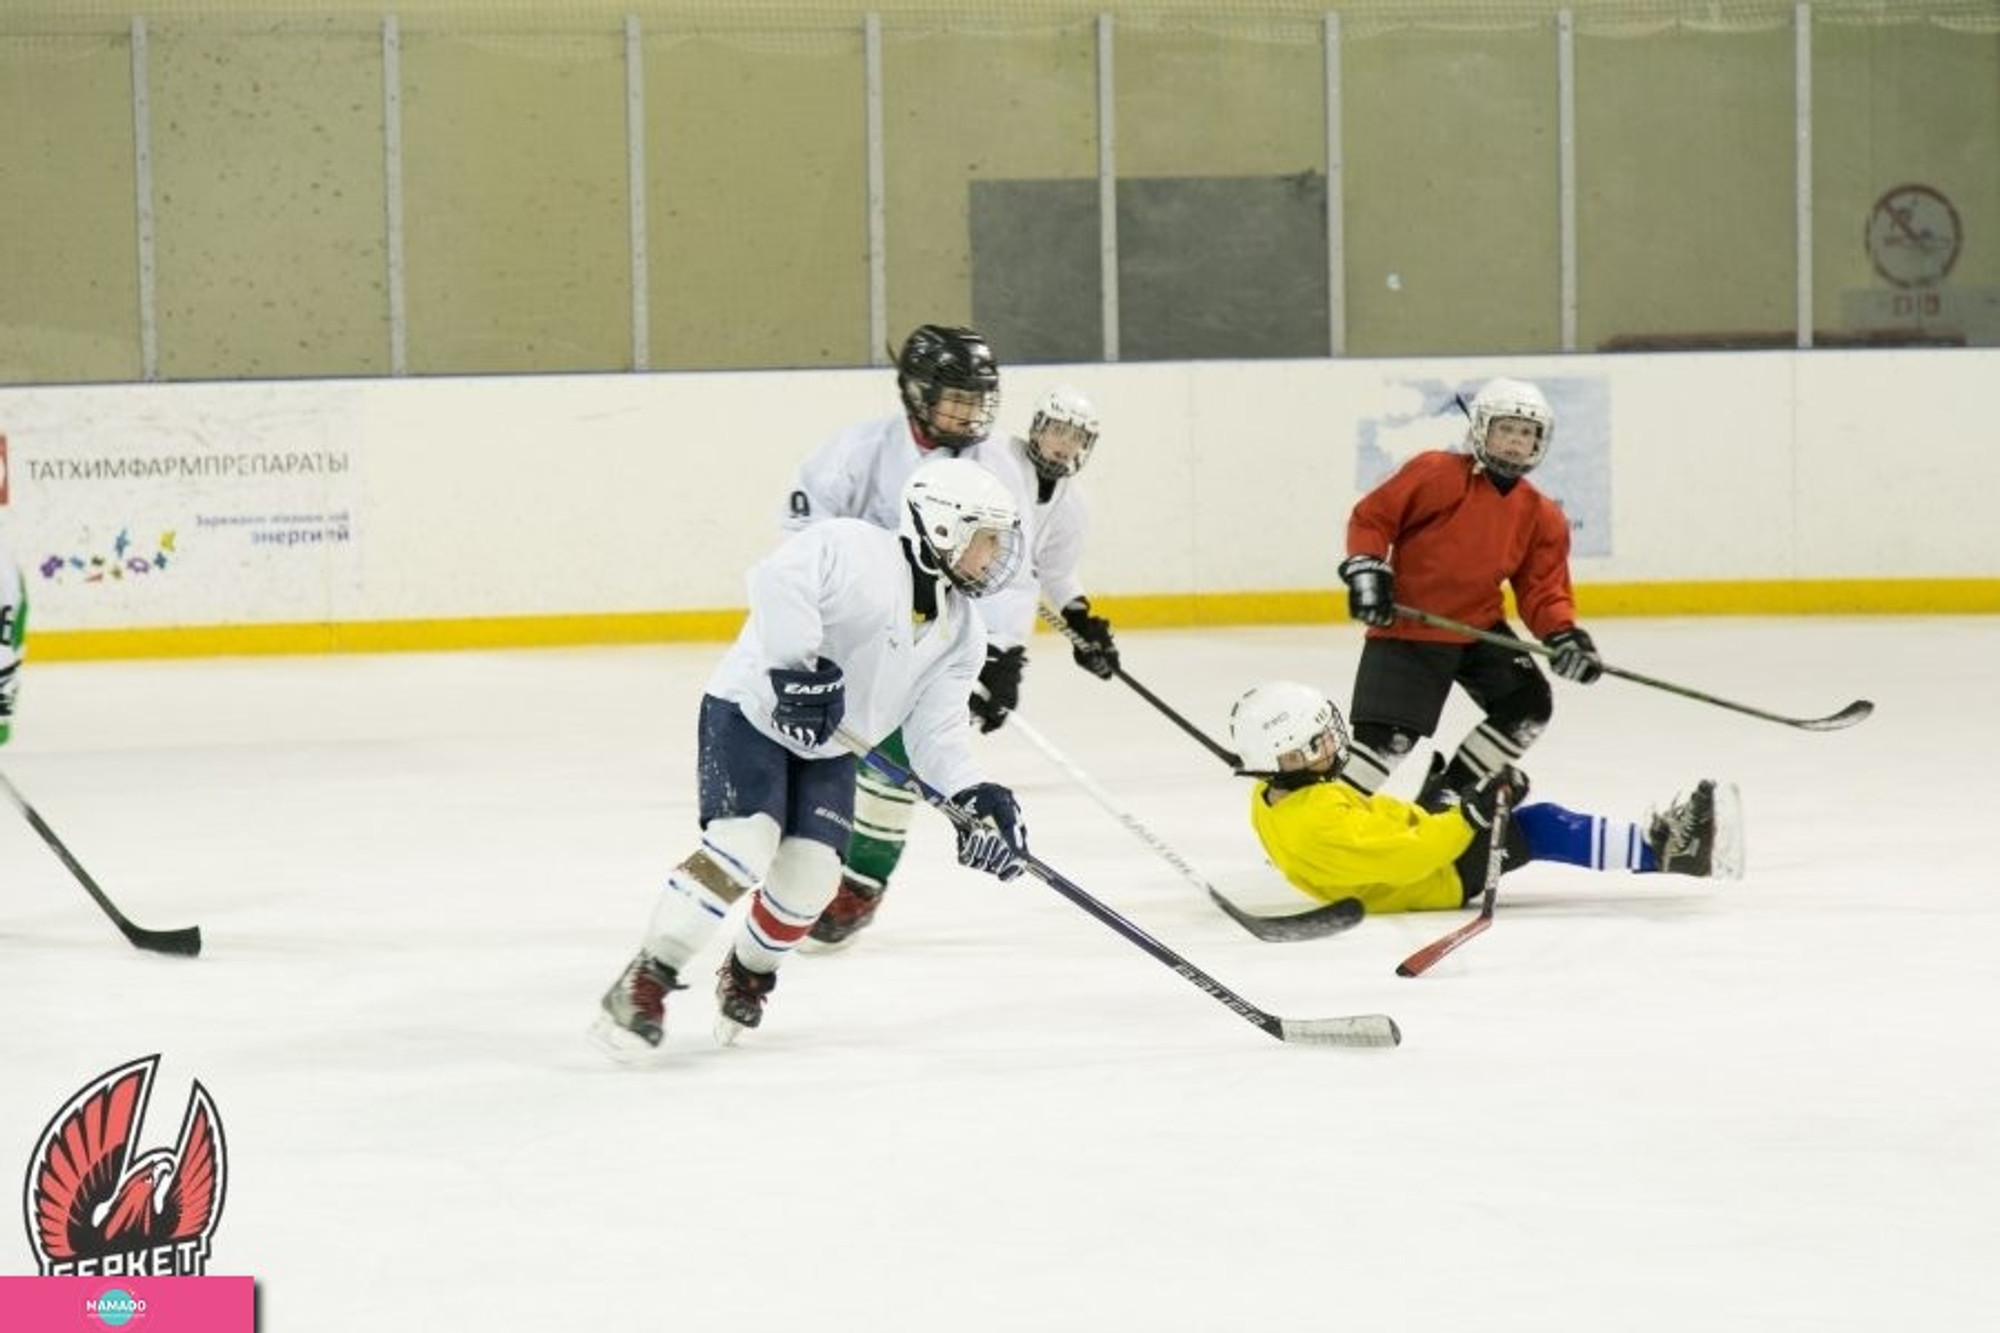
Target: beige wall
<point x="270" y="240"/>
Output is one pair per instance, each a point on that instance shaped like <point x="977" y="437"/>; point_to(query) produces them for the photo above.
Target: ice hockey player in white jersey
<point x="850" y="625"/>
<point x="13" y="639"/>
<point x="1039" y="469"/>
<point x="950" y="389"/>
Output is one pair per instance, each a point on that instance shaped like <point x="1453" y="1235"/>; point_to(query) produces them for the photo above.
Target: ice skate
<point x="739" y="998"/>
<point x="632" y="1017"/>
<point x="852" y="908"/>
<point x="1701" y="833"/>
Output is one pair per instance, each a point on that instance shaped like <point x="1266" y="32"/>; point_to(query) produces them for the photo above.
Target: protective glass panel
<point x="756" y="199"/>
<point x="1451" y="191"/>
<point x="1906" y="184"/>
<point x="69" y="297"/>
<point x="268" y="200"/>
<point x="517" y="228"/>
<point x="1686" y="231"/>
<point x="993" y="115"/>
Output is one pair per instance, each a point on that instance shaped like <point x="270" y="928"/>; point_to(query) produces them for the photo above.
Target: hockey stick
<point x="1353" y="1030"/>
<point x="1312" y="924"/>
<point x="1056" y="622"/>
<point x="1846" y="717"/>
<point x="1424" y="959"/>
<point x="186" y="941"/>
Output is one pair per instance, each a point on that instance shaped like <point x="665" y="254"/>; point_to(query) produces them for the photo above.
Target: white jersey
<point x="859" y="473"/>
<point x="842" y="590"/>
<point x="1052" y="534"/>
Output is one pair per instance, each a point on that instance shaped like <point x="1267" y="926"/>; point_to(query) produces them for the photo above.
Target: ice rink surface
<point x="1634" y="1104"/>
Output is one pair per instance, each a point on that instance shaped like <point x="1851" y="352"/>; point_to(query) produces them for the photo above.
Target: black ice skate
<point x="1701" y="833"/>
<point x="633" y="1014"/>
<point x="852" y="908"/>
<point x="739" y="998"/>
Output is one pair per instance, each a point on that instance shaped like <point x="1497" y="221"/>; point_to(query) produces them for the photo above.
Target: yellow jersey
<point x="1331" y="842"/>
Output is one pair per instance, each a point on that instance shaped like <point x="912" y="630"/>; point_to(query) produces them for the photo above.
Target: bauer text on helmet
<point x="1062" y="434"/>
<point x="962" y="524"/>
<point x="1285" y="727"/>
<point x="950" y="385"/>
<point x="1511" y="427"/>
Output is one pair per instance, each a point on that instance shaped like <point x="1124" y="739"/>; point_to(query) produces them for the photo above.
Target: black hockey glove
<point x="999" y="691"/>
<point x="810" y="702"/>
<point x="1477" y="804"/>
<point x="1371" y="589"/>
<point x="1576" y="656"/>
<point x="1092" y="647"/>
<point x="995" y="838"/>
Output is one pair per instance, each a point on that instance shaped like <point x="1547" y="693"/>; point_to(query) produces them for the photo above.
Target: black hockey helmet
<point x="952" y="366"/>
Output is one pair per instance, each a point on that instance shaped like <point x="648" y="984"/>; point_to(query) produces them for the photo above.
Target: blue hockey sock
<point x="1591" y="841"/>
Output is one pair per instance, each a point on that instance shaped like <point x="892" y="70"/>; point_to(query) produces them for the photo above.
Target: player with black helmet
<point x="948" y="381"/>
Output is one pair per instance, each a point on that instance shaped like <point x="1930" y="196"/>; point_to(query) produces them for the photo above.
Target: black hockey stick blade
<point x="1846" y="717"/>
<point x="185" y="942"/>
<point x="1314" y="924"/>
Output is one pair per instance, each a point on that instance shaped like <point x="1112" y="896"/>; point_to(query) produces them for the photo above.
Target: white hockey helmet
<point x="949" y="504"/>
<point x="1062" y="434"/>
<point x="1520" y="400"/>
<point x="1283" y="727"/>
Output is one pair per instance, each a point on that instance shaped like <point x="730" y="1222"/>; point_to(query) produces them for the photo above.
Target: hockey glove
<point x="1371" y="589"/>
<point x="1576" y="656"/>
<point x="1092" y="647"/>
<point x="999" y="691"/>
<point x="994" y="839"/>
<point x="810" y="703"/>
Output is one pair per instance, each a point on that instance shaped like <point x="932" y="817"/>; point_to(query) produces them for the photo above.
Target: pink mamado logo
<point x="99" y="1207"/>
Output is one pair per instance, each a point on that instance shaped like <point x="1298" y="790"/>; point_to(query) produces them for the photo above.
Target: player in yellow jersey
<point x="1331" y="842"/>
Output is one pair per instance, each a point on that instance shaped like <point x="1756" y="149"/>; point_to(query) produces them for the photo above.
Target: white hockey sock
<point x="734" y="855"/>
<point x="1617" y="844"/>
<point x="804" y="877"/>
<point x="1366" y="770"/>
<point x="1486" y="750"/>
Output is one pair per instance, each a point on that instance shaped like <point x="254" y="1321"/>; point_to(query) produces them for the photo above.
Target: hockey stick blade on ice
<point x="1352" y="1030"/>
<point x="185" y="942"/>
<point x="1846" y="717"/>
<point x="1055" y="621"/>
<point x="1424" y="959"/>
<point x="1317" y="923"/>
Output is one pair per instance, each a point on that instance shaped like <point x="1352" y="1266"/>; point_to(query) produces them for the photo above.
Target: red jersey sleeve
<point x="1542" y="586"/>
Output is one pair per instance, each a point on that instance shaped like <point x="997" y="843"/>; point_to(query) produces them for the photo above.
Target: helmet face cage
<point x="1284" y="727"/>
<point x="1065" y="410"/>
<point x="1503" y="399"/>
<point x="947" y="505"/>
<point x="937" y="361"/>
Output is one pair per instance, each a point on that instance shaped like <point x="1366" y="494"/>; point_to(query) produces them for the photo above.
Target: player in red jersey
<point x="1441" y="535"/>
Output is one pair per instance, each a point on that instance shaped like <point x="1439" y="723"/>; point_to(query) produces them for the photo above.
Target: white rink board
<point x="386" y="500"/>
